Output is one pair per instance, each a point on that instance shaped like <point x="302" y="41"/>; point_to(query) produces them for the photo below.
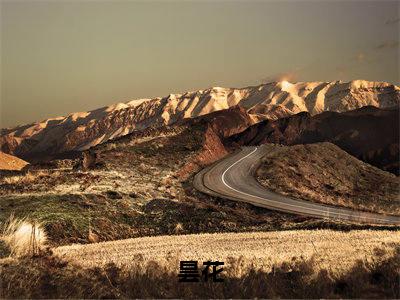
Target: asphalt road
<point x="233" y="178"/>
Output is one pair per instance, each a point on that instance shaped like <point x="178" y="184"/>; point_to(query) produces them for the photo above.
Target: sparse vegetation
<point x="66" y="218"/>
<point x="117" y="215"/>
<point x="324" y="173"/>
<point x="44" y="181"/>
<point x="28" y="177"/>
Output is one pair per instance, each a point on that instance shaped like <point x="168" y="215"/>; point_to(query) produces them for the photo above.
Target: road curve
<point x="233" y="178"/>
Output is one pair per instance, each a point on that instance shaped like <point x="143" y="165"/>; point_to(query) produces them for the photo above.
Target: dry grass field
<point x="289" y="265"/>
<point x="333" y="250"/>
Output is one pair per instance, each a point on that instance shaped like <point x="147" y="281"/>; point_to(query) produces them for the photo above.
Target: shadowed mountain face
<point x="368" y="133"/>
<point x="84" y="130"/>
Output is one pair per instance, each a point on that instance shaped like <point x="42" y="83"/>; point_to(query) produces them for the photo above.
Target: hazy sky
<point x="59" y="57"/>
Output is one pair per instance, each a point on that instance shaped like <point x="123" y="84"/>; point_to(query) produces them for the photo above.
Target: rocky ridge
<point x="81" y="131"/>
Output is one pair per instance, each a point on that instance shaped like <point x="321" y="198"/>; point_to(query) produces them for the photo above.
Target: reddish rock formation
<point x="218" y="126"/>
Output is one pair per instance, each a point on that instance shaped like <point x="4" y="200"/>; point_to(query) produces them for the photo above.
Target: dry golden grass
<point x="23" y="237"/>
<point x="29" y="177"/>
<point x="49" y="277"/>
<point x="19" y="179"/>
<point x="332" y="250"/>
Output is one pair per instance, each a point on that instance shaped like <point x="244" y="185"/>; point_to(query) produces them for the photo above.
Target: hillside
<point x="140" y="184"/>
<point x="369" y="133"/>
<point x="80" y="131"/>
<point x="326" y="174"/>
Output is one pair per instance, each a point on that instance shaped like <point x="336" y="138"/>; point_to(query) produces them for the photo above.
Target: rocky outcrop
<point x="216" y="127"/>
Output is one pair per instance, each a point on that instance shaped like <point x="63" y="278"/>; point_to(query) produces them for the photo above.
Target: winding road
<point x="233" y="178"/>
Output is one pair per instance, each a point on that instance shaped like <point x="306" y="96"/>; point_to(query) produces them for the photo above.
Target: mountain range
<point x="271" y="101"/>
